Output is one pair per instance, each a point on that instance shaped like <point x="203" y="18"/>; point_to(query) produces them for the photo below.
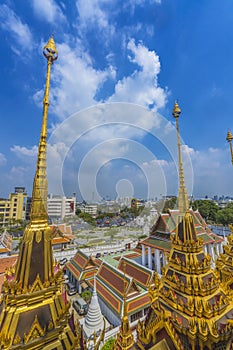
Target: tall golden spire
<point x="40" y="186"/>
<point x="182" y="194"/>
<point x="33" y="293"/>
<point x="124" y="339"/>
<point x="229" y="139"/>
<point x="35" y="259"/>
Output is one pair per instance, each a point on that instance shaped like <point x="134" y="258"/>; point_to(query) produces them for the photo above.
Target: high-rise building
<point x="13" y="208"/>
<point x="60" y="207"/>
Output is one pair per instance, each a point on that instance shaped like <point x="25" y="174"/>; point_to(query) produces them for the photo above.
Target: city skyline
<point x="130" y="61"/>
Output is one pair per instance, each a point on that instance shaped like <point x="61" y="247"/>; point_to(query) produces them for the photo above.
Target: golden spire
<point x="40" y="186"/>
<point x="35" y="258"/>
<point x="125" y="339"/>
<point x="182" y="194"/>
<point x="229" y="139"/>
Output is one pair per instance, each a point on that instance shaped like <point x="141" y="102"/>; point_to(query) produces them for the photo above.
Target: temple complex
<point x="34" y="312"/>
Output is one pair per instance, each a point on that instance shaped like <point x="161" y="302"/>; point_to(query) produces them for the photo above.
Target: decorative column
<point x="221" y="247"/>
<point x="217" y="250"/>
<point x="149" y="258"/>
<point x="205" y="249"/>
<point x="157" y="258"/>
<point x="143" y="255"/>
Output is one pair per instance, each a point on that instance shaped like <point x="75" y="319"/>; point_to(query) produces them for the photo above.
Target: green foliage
<point x="207" y="208"/>
<point x="86" y="295"/>
<point x="87" y="218"/>
<point x="169" y="204"/>
<point x="225" y="215"/>
<point x="108" y="345"/>
<point x="78" y="211"/>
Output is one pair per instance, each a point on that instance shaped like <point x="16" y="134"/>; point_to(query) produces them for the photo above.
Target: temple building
<point x="225" y="261"/>
<point x="190" y="308"/>
<point x="34" y="312"/>
<point x="157" y="246"/>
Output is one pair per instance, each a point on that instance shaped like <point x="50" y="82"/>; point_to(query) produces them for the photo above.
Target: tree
<point x="87" y="218"/>
<point x="169" y="204"/>
<point x="207" y="208"/>
<point x="225" y="215"/>
<point x="78" y="211"/>
<point x="108" y="345"/>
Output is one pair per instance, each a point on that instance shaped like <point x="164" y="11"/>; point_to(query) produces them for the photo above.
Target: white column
<point x="163" y="258"/>
<point x="205" y="249"/>
<point x="143" y="255"/>
<point x="158" y="265"/>
<point x="217" y="250"/>
<point x="212" y="255"/>
<point x="221" y="247"/>
<point x="149" y="258"/>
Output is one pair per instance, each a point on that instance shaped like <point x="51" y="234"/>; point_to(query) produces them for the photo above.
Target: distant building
<point x="13" y="208"/>
<point x="91" y="209"/>
<point x="60" y="207"/>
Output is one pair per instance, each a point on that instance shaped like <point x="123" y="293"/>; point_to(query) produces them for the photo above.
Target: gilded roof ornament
<point x="176" y="110"/>
<point x="50" y="50"/>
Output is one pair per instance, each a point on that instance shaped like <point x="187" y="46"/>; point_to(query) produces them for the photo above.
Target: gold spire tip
<point x="176" y="110"/>
<point x="229" y="136"/>
<point x="50" y="50"/>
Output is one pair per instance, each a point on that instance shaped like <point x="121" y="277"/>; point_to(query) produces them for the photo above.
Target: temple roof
<point x="141" y="274"/>
<point x="110" y="288"/>
<point x="166" y="225"/>
<point x="81" y="266"/>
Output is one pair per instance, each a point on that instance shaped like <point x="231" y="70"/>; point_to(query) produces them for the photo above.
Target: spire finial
<point x="182" y="195"/>
<point x="50" y="50"/>
<point x="229" y="139"/>
<point x="176" y="110"/>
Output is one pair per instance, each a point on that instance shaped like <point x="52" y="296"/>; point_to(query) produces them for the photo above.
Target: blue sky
<point x="121" y="66"/>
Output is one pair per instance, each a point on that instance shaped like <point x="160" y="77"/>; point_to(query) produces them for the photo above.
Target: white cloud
<point x="20" y="31"/>
<point x="141" y="87"/>
<point x="48" y="10"/>
<point x="76" y="81"/>
<point x="22" y="151"/>
<point x="2" y="159"/>
<point x="90" y="13"/>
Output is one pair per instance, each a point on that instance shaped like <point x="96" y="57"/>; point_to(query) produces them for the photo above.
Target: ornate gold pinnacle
<point x="182" y="194"/>
<point x="229" y="139"/>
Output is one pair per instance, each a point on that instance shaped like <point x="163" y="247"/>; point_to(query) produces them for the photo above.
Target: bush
<point x="108" y="345"/>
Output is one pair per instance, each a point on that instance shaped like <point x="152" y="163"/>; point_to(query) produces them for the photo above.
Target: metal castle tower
<point x="34" y="313"/>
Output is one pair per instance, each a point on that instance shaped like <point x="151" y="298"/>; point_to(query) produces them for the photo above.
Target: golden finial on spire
<point x="176" y="110"/>
<point x="182" y="194"/>
<point x="229" y="139"/>
<point x="50" y="50"/>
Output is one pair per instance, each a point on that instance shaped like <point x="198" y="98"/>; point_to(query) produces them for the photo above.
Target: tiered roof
<point x="82" y="266"/>
<point x="141" y="274"/>
<point x="110" y="287"/>
<point x="166" y="225"/>
<point x="224" y="263"/>
<point x="196" y="304"/>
